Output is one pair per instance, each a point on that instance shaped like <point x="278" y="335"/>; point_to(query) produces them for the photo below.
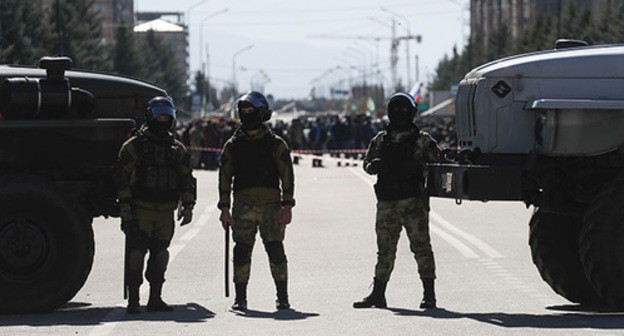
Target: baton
<point x="125" y="270"/>
<point x="226" y="263"/>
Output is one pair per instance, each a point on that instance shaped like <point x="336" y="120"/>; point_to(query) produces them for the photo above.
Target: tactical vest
<point x="254" y="165"/>
<point x="393" y="181"/>
<point x="157" y="174"/>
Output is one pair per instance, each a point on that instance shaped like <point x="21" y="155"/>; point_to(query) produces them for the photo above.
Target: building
<point x="111" y="12"/>
<point x="486" y="16"/>
<point x="175" y="35"/>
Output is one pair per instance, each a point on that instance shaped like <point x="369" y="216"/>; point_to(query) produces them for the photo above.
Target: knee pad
<point x="159" y="258"/>
<point x="135" y="260"/>
<point x="275" y="250"/>
<point x="242" y="254"/>
<point x="157" y="265"/>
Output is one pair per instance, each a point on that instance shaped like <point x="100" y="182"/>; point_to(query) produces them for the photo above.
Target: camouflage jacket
<point x="130" y="156"/>
<point x="426" y="149"/>
<point x="257" y="195"/>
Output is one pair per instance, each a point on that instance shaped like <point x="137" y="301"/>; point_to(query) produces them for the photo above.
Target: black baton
<point x="227" y="264"/>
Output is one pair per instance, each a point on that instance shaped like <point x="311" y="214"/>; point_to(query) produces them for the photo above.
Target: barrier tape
<point x="295" y="151"/>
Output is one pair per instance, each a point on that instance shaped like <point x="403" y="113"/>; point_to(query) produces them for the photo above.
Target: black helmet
<point x="156" y="107"/>
<point x="261" y="111"/>
<point x="401" y="110"/>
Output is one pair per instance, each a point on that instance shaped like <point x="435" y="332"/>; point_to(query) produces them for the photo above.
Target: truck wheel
<point x="602" y="243"/>
<point x="554" y="244"/>
<point x="46" y="246"/>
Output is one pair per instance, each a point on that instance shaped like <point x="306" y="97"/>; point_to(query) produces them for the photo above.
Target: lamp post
<point x="201" y="36"/>
<point x="240" y="51"/>
<point x="188" y="11"/>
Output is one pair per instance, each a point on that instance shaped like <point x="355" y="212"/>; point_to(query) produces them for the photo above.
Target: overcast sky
<point x="294" y="46"/>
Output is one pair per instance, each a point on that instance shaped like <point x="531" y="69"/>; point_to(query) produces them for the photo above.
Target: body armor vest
<point x="394" y="182"/>
<point x="157" y="177"/>
<point x="254" y="165"/>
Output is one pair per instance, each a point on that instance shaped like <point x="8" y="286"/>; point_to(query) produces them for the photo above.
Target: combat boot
<point x="282" y="295"/>
<point x="240" y="302"/>
<point x="155" y="302"/>
<point x="428" y="300"/>
<point x="376" y="299"/>
<point x="133" y="300"/>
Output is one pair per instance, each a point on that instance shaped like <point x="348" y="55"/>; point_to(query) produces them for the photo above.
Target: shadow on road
<point x="593" y="319"/>
<point x="83" y="314"/>
<point x="280" y="315"/>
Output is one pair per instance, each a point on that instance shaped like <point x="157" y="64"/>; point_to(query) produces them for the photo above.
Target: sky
<point x="287" y="48"/>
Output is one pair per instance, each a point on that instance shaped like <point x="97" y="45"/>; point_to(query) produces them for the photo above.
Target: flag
<point x="417" y="92"/>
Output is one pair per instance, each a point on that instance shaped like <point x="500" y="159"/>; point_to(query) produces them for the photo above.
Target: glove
<point x="125" y="212"/>
<point x="375" y="166"/>
<point x="185" y="214"/>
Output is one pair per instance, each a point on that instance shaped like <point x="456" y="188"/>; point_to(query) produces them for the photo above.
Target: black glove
<point x="375" y="166"/>
<point x="127" y="219"/>
<point x="185" y="213"/>
<point x="130" y="226"/>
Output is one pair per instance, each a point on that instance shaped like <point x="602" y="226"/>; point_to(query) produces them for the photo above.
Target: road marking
<point x="466" y="251"/>
<point x="110" y="321"/>
<point x="478" y="243"/>
<point x="440" y="223"/>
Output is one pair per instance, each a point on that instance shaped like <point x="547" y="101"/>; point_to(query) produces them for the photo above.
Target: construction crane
<point x="394" y="46"/>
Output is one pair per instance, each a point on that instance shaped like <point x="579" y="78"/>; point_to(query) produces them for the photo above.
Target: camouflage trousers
<point x="248" y="219"/>
<point x="392" y="216"/>
<point x="153" y="232"/>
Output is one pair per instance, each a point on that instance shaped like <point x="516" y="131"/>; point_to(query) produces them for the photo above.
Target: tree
<point x="80" y="35"/>
<point x="499" y="43"/>
<point x="160" y="68"/>
<point x="24" y="36"/>
<point x="125" y="55"/>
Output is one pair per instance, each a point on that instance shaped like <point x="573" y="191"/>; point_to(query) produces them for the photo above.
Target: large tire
<point x="602" y="243"/>
<point x="46" y="246"/>
<point x="554" y="246"/>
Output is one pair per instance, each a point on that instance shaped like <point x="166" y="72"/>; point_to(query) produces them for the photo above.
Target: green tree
<point x="24" y="36"/>
<point x="160" y="68"/>
<point x="80" y="35"/>
<point x="126" y="59"/>
<point x="499" y="43"/>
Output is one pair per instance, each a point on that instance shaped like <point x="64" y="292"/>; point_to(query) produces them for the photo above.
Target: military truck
<point x="547" y="128"/>
<point x="60" y="132"/>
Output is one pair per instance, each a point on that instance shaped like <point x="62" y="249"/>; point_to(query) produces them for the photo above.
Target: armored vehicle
<point x="547" y="128"/>
<point x="60" y="132"/>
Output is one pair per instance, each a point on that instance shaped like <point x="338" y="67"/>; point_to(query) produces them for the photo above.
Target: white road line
<point x="435" y="228"/>
<point x="466" y="251"/>
<point x="110" y="321"/>
<point x="478" y="243"/>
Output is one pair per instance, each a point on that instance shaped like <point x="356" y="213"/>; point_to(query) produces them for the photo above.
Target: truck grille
<point x="465" y="110"/>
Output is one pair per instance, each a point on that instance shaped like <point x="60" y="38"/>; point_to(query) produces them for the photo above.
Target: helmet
<point x="159" y="106"/>
<point x="261" y="111"/>
<point x="401" y="110"/>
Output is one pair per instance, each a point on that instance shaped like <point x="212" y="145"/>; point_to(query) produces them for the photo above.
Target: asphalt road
<point x="487" y="284"/>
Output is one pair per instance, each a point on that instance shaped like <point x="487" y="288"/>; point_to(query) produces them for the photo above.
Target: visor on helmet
<point x="159" y="110"/>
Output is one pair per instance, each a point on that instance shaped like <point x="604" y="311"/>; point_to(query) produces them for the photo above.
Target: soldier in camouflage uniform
<point x="398" y="156"/>
<point x="256" y="160"/>
<point x="154" y="174"/>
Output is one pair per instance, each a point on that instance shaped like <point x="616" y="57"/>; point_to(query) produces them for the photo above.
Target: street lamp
<point x="201" y="36"/>
<point x="240" y="51"/>
<point x="188" y="11"/>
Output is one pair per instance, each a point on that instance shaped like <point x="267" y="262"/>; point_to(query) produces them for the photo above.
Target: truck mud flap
<point x="475" y="182"/>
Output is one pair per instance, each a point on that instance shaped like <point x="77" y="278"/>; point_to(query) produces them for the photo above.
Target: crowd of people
<point x="336" y="135"/>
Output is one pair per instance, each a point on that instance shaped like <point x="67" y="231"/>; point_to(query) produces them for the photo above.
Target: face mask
<point x="251" y="120"/>
<point x="159" y="128"/>
<point x="400" y="118"/>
